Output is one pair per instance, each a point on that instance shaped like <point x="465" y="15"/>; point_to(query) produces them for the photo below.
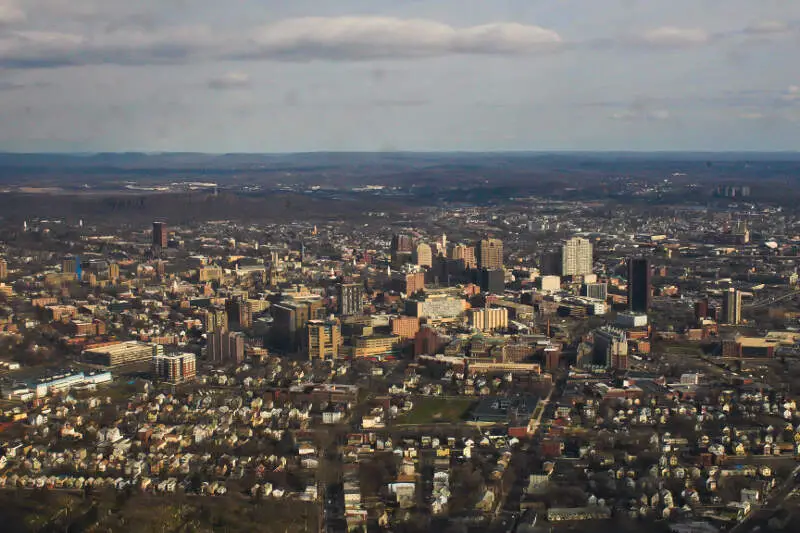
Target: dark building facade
<point x="639" y="285"/>
<point x="493" y="281"/>
<point x="159" y="235"/>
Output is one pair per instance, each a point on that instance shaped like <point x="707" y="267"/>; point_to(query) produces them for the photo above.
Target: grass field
<point x="435" y="410"/>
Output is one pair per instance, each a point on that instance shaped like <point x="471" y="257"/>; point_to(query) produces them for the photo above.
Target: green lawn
<point x="433" y="410"/>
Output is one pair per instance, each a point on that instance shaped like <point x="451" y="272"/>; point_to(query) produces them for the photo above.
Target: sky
<point x="385" y="75"/>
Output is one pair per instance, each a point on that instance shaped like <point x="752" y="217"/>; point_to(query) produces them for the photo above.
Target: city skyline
<point x="385" y="76"/>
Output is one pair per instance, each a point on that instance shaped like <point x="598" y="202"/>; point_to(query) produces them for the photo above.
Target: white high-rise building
<point x="576" y="257"/>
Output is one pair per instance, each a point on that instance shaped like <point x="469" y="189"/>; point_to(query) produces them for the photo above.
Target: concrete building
<point x="597" y="291"/>
<point x="3" y="269"/>
<point x="350" y="298"/>
<point x="576" y="257"/>
<point x="435" y="306"/>
<point x="120" y="353"/>
<point x="324" y="339"/>
<point x="378" y="346"/>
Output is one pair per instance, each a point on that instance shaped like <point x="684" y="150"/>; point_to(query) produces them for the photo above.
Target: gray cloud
<point x="671" y="36"/>
<point x="768" y="27"/>
<point x="11" y="12"/>
<point x="15" y="85"/>
<point x="230" y="80"/>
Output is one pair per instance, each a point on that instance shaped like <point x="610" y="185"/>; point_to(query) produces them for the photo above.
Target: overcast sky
<point x="300" y="75"/>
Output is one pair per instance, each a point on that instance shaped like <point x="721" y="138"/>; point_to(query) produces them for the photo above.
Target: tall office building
<point x="732" y="307"/>
<point x="175" y="368"/>
<point x="159" y="235"/>
<point x="423" y="255"/>
<point x="466" y="254"/>
<point x="576" y="257"/>
<point x="490" y="254"/>
<point x="350" y="298"/>
<point x="324" y="339"/>
<point x="3" y="269"/>
<point x="639" y="285"/>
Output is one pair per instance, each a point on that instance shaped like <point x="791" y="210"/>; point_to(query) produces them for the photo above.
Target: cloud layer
<point x="357" y="38"/>
<point x="135" y="40"/>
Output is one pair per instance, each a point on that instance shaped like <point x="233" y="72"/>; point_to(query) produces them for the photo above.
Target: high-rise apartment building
<point x="350" y="298"/>
<point x="576" y="257"/>
<point x="159" y="235"/>
<point x="639" y="285"/>
<point x="215" y="319"/>
<point x="732" y="307"/>
<point x="324" y="339"/>
<point x="423" y="255"/>
<point x="240" y="314"/>
<point x="113" y="271"/>
<point x="225" y="347"/>
<point x="490" y="254"/>
<point x="175" y="368"/>
<point x="3" y="269"/>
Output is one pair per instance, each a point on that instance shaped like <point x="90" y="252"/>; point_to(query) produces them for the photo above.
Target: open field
<point x="434" y="410"/>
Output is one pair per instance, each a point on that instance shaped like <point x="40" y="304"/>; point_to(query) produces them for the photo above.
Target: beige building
<point x="423" y="255"/>
<point x="376" y="346"/>
<point x="576" y="257"/>
<point x="490" y="254"/>
<point x="324" y="339"/>
<point x="466" y="254"/>
<point x="490" y="319"/>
